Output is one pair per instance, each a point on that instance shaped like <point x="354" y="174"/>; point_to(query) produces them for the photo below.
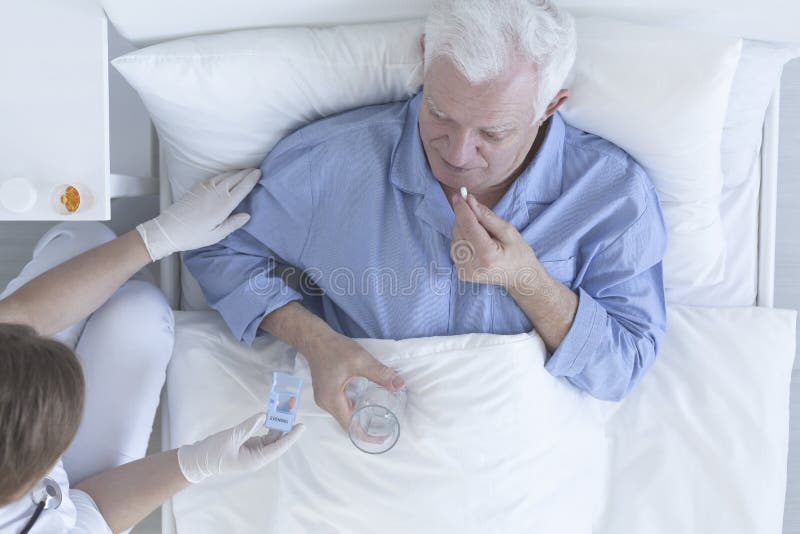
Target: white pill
<point x="464" y="193"/>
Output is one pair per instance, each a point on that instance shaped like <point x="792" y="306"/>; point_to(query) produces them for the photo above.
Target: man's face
<point x="476" y="136"/>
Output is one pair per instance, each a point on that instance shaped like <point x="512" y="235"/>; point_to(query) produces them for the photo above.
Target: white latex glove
<point x="235" y="450"/>
<point x="200" y="217"/>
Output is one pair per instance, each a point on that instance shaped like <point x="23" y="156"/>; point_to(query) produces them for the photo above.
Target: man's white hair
<point x="483" y="37"/>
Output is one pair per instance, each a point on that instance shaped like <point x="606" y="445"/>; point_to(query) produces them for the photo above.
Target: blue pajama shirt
<point x="349" y="207"/>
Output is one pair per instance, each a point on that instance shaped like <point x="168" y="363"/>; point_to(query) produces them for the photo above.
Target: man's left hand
<point x="489" y="250"/>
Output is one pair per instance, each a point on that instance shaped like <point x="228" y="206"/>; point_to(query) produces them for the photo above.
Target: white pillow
<point x="661" y="95"/>
<point x="757" y="76"/>
<point x="223" y="101"/>
<point x="701" y="445"/>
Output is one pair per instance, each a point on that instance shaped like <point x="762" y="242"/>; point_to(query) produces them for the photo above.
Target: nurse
<point x="83" y="356"/>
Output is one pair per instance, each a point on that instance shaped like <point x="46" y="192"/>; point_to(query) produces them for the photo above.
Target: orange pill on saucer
<point x="71" y="199"/>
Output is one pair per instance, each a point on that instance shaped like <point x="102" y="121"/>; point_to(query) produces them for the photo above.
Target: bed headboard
<point x="149" y="21"/>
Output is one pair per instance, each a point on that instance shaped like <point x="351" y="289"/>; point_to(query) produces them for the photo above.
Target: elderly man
<point x="561" y="230"/>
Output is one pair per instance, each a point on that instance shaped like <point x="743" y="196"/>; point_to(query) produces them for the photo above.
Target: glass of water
<point x="375" y="424"/>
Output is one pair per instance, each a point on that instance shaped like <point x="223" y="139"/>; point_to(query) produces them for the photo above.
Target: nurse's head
<point x="494" y="72"/>
<point x="41" y="402"/>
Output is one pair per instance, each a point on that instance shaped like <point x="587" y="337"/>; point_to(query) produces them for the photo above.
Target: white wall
<point x="787" y="269"/>
<point x="787" y="275"/>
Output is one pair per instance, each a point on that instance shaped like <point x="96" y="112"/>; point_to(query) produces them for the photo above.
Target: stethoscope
<point x="46" y="496"/>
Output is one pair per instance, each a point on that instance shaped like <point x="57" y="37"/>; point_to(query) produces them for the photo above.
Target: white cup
<point x="18" y="195"/>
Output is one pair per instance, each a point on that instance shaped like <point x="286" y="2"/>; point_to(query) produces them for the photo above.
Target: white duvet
<point x="492" y="443"/>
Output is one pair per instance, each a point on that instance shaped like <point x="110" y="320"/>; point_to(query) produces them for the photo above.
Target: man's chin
<point x="455" y="180"/>
<point x="449" y="183"/>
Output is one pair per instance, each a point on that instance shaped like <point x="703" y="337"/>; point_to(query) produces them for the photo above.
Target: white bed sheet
<point x="739" y="207"/>
<point x="700" y="444"/>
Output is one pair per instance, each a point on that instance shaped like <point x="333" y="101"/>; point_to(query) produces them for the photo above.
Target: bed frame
<point x="768" y="204"/>
<point x="150" y="21"/>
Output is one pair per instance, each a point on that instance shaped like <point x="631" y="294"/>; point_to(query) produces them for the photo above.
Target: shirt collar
<point x="409" y="169"/>
<point x="541" y="180"/>
<point x="539" y="183"/>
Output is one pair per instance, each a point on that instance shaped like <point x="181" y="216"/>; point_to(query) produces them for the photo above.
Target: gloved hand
<point x="235" y="450"/>
<point x="200" y="217"/>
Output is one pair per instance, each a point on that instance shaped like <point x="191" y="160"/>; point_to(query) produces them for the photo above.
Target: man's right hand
<point x="333" y="365"/>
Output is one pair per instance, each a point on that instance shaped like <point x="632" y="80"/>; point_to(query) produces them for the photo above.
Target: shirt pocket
<point x="562" y="270"/>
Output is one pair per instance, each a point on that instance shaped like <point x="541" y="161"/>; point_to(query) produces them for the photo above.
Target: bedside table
<point x="54" y="109"/>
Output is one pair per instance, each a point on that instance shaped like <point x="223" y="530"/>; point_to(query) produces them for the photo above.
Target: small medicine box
<point x="283" y="400"/>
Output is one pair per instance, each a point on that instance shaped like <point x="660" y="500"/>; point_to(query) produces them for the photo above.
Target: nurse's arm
<point x="69" y="292"/>
<point x="127" y="494"/>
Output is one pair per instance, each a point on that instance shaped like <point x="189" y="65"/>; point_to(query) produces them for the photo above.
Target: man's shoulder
<point x="603" y="166"/>
<point x="378" y="122"/>
<point x="610" y="182"/>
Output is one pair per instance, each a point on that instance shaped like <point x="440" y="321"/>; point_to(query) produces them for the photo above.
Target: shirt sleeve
<point x="241" y="276"/>
<point x="89" y="520"/>
<point x="621" y="315"/>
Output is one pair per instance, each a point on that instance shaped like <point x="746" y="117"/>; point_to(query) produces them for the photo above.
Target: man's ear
<point x="556" y="103"/>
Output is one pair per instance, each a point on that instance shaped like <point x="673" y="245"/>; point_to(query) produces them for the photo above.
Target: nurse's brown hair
<point x="41" y="402"/>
